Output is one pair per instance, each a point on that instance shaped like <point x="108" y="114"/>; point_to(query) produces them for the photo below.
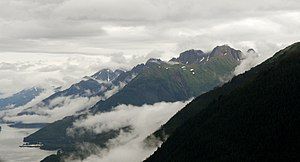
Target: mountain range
<point x="253" y="117"/>
<point x="176" y="80"/>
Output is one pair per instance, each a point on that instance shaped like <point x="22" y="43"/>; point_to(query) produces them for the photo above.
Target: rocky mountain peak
<point x="107" y="74"/>
<point x="189" y="57"/>
<point x="226" y="50"/>
<point x="154" y="61"/>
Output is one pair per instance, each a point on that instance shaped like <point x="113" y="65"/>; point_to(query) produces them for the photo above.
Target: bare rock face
<point x="226" y="50"/>
<point x="190" y="57"/>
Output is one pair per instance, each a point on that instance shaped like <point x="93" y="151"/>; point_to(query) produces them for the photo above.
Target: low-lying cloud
<point x="128" y="146"/>
<point x="43" y="114"/>
<point x="256" y="57"/>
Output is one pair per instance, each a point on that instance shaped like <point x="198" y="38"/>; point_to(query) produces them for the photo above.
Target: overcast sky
<point x="119" y="33"/>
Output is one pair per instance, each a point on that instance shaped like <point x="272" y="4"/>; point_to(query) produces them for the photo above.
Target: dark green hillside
<point x="255" y="117"/>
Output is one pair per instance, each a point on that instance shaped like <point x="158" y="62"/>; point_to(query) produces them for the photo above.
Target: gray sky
<point x="119" y="33"/>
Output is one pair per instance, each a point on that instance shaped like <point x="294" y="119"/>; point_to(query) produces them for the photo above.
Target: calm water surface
<point x="11" y="139"/>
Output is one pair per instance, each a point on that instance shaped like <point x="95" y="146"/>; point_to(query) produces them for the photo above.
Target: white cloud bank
<point x="68" y="106"/>
<point x="110" y="28"/>
<point x="128" y="146"/>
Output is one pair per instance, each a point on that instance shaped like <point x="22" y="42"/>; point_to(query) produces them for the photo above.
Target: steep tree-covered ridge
<point x="155" y="81"/>
<point x="255" y="117"/>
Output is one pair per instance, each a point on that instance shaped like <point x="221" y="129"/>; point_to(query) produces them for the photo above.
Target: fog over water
<point x="11" y="139"/>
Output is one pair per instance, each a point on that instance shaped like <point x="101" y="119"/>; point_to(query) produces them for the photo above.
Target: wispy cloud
<point x="253" y="59"/>
<point x="128" y="146"/>
<point x="68" y="106"/>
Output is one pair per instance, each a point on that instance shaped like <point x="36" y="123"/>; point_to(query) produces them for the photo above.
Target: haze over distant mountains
<point x="96" y="85"/>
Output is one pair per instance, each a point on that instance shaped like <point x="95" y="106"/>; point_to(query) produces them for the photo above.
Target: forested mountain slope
<point x="255" y="117"/>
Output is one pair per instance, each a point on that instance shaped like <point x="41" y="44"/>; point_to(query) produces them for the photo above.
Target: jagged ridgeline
<point x="181" y="78"/>
<point x="90" y="86"/>
<point x="21" y="98"/>
<point x="254" y="117"/>
<point x="191" y="74"/>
